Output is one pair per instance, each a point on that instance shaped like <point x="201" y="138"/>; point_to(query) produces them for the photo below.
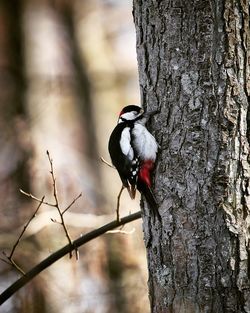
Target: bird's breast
<point x="144" y="143"/>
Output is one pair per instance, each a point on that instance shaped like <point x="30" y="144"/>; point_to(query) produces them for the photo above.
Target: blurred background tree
<point x="66" y="69"/>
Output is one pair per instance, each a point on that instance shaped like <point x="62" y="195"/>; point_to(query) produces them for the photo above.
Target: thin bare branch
<point x="120" y="193"/>
<point x="62" y="252"/>
<point x="106" y="162"/>
<point x="57" y="204"/>
<point x="12" y="263"/>
<point x="5" y="261"/>
<point x="24" y="228"/>
<point x="10" y="256"/>
<point x="70" y="205"/>
<point x="118" y="204"/>
<point x="119" y="231"/>
<point x="35" y="198"/>
<point x="53" y="180"/>
<point x="17" y="267"/>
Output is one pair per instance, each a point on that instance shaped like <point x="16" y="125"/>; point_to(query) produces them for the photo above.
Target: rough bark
<point x="194" y="67"/>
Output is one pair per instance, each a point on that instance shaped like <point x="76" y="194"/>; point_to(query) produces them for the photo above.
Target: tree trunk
<point x="194" y="68"/>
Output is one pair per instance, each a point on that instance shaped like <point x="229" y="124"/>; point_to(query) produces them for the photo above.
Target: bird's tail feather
<point x="132" y="191"/>
<point x="147" y="192"/>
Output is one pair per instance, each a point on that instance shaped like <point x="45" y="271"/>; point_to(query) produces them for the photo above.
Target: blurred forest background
<point x="66" y="70"/>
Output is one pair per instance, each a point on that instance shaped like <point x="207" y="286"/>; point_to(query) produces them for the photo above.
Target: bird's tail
<point x="148" y="194"/>
<point x="131" y="190"/>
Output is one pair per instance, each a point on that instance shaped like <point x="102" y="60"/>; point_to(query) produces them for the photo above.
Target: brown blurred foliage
<point x="66" y="69"/>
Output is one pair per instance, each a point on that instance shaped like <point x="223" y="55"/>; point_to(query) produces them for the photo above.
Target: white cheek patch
<point x="128" y="116"/>
<point x="125" y="143"/>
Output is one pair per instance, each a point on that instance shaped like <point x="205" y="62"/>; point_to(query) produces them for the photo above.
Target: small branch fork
<point x="56" y="205"/>
<point x="9" y="258"/>
<point x="22" y="281"/>
<point x="72" y="245"/>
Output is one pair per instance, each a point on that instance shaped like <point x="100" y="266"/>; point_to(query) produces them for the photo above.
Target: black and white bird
<point x="133" y="151"/>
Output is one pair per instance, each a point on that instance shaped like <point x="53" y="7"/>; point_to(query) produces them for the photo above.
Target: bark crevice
<point x="196" y="74"/>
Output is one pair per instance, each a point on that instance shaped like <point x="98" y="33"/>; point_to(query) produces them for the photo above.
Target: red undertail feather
<point x="144" y="173"/>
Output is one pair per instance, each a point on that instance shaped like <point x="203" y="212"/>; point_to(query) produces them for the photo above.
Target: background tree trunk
<point x="64" y="76"/>
<point x="194" y="67"/>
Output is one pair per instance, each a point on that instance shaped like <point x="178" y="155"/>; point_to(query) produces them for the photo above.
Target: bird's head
<point x="134" y="113"/>
<point x="130" y="113"/>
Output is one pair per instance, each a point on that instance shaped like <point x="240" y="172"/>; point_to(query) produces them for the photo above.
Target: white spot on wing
<point x="125" y="143"/>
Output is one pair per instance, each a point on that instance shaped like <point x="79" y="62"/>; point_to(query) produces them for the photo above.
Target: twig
<point x="70" y="205"/>
<point x="119" y="231"/>
<point x="62" y="252"/>
<point x="58" y="207"/>
<point x="106" y="162"/>
<point x="120" y="193"/>
<point x="118" y="204"/>
<point x="3" y="260"/>
<point x="24" y="228"/>
<point x="35" y="198"/>
<point x="13" y="264"/>
<point x="10" y="257"/>
<point x="53" y="180"/>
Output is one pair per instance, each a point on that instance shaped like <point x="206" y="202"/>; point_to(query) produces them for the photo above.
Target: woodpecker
<point x="133" y="151"/>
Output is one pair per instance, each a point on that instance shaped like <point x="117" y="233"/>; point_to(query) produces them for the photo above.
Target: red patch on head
<point x="144" y="173"/>
<point x="121" y="113"/>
